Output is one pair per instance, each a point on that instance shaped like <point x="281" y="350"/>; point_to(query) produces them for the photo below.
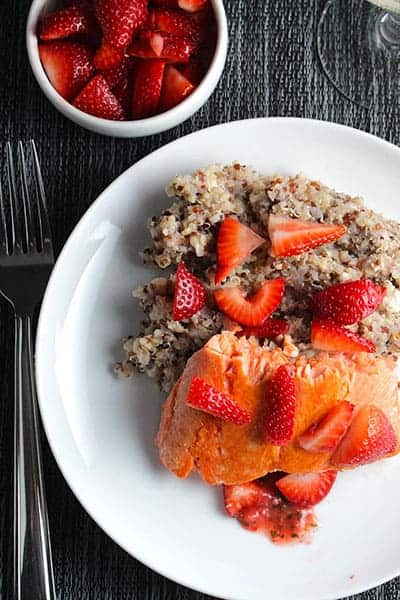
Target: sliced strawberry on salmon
<point x="97" y="99"/>
<point x="147" y="88"/>
<point x="189" y="294"/>
<point x="205" y="397"/>
<point x="271" y="328"/>
<point x="108" y="57"/>
<point x="68" y="66"/>
<point x="188" y="5"/>
<point x="65" y="22"/>
<point x="251" y="311"/>
<point x="330" y="337"/>
<point x="294" y="236"/>
<point x="234" y="244"/>
<point x="305" y="490"/>
<point x="120" y="19"/>
<point x="369" y="438"/>
<point x="175" y="88"/>
<point x="325" y="435"/>
<point x="280" y="407"/>
<point x="347" y="303"/>
<point x="175" y="22"/>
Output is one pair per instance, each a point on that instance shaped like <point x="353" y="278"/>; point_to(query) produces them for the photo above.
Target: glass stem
<point x="388" y="30"/>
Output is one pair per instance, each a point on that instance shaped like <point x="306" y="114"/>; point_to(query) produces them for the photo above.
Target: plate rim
<point x="40" y="335"/>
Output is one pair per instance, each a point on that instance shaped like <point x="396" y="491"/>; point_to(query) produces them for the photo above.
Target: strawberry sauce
<point x="277" y="518"/>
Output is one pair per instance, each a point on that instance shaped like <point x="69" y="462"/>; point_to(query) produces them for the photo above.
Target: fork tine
<point x="16" y="239"/>
<point x="28" y="229"/>
<point x="3" y="229"/>
<point x="43" y="218"/>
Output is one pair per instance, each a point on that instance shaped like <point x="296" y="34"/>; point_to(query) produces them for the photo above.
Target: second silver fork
<point x="26" y="260"/>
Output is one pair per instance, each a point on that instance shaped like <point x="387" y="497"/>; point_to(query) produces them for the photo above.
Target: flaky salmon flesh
<point x="189" y="439"/>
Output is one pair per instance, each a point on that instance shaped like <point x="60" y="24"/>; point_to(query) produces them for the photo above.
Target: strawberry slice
<point x="175" y="88"/>
<point x="158" y="44"/>
<point x="108" y="57"/>
<point x="239" y="497"/>
<point x="271" y="328"/>
<point x="189" y="294"/>
<point x="280" y="406"/>
<point x="188" y="5"/>
<point x="347" y="303"/>
<point x="120" y="19"/>
<point x="205" y="397"/>
<point x="73" y="20"/>
<point x="369" y="438"/>
<point x="234" y="244"/>
<point x="119" y="73"/>
<point x="325" y="435"/>
<point x="175" y="22"/>
<point x="147" y="88"/>
<point x="68" y="66"/>
<point x="327" y="336"/>
<point x="97" y="99"/>
<point x="195" y="69"/>
<point x="306" y="489"/>
<point x="294" y="236"/>
<point x="251" y="311"/>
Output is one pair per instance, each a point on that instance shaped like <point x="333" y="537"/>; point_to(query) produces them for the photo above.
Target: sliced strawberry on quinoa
<point x="234" y="244"/>
<point x="97" y="99"/>
<point x="369" y="438"/>
<point x="205" y="397"/>
<point x="65" y="22"/>
<point x="147" y="88"/>
<point x="347" y="303"/>
<point x="251" y="311"/>
<point x="175" y="88"/>
<point x="325" y="435"/>
<point x="294" y="236"/>
<point x="328" y="336"/>
<point x="280" y="407"/>
<point x="307" y="489"/>
<point x="188" y="5"/>
<point x="120" y="19"/>
<point x="175" y="22"/>
<point x="68" y="66"/>
<point x="189" y="294"/>
<point x="108" y="57"/>
<point x="271" y="328"/>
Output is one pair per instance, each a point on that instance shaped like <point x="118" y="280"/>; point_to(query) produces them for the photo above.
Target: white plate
<point x="101" y="430"/>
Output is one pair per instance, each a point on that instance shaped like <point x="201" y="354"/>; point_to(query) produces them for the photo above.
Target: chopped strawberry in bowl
<point x="143" y="66"/>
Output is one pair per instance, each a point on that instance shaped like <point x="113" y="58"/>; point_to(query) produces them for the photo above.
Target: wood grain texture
<point x="272" y="69"/>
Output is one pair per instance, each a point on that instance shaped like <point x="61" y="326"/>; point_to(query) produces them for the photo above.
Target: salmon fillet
<point x="189" y="439"/>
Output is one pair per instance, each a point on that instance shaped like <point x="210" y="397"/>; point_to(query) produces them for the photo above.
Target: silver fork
<point x="26" y="259"/>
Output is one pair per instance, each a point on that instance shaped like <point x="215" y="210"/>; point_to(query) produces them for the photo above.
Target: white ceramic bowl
<point x="140" y="127"/>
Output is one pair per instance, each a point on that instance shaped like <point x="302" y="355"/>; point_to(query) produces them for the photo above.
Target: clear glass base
<point x="359" y="49"/>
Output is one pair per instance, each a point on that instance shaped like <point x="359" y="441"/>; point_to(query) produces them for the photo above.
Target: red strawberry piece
<point x="251" y="311"/>
<point x="175" y="88"/>
<point x="108" y="57"/>
<point x="147" y="88"/>
<point x="158" y="44"/>
<point x="306" y="489"/>
<point x="189" y="294"/>
<point x="327" y="336"/>
<point x="175" y="22"/>
<point x="75" y="19"/>
<point x="116" y="75"/>
<point x="120" y="19"/>
<point x="369" y="438"/>
<point x="325" y="435"/>
<point x="239" y="497"/>
<point x="347" y="303"/>
<point x="68" y="66"/>
<point x="97" y="99"/>
<point x="234" y="244"/>
<point x="194" y="70"/>
<point x="141" y="49"/>
<point x="205" y="397"/>
<point x="294" y="236"/>
<point x="271" y="328"/>
<point x="280" y="408"/>
<point x="188" y="5"/>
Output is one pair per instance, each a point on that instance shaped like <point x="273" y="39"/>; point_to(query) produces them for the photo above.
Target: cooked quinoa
<point x="187" y="229"/>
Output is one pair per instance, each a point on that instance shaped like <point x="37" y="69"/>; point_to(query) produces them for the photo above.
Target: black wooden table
<point x="272" y="69"/>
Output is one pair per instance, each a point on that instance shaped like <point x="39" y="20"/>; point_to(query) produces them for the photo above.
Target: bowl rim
<point x="154" y="124"/>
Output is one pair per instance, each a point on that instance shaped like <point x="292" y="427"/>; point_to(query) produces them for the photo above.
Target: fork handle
<point x="33" y="571"/>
